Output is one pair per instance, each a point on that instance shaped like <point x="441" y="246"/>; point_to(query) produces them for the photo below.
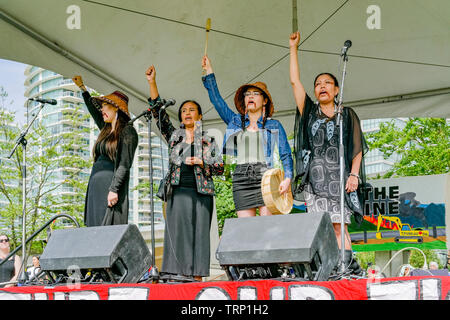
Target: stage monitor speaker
<point x="115" y="254"/>
<point x="301" y="245"/>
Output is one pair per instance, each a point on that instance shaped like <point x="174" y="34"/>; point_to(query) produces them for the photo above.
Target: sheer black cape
<point x="354" y="143"/>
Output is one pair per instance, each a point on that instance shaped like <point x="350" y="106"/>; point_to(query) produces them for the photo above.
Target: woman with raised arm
<point x="193" y="160"/>
<point x="316" y="151"/>
<point x="107" y="194"/>
<point x="250" y="137"/>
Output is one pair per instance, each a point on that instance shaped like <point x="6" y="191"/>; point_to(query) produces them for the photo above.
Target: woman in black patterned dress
<point x="317" y="151"/>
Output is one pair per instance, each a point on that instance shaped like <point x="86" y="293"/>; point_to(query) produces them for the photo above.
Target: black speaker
<point x="115" y="254"/>
<point x="301" y="245"/>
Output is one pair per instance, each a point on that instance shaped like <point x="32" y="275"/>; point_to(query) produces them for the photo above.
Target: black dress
<point x="7" y="270"/>
<point x="316" y="150"/>
<point x="322" y="192"/>
<point x="187" y="229"/>
<point x="108" y="175"/>
<point x="98" y="188"/>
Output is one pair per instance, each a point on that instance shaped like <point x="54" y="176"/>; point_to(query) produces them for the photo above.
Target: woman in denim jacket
<point x="193" y="159"/>
<point x="251" y="136"/>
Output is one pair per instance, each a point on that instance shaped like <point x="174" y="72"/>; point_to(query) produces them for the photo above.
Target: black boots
<point x="351" y="266"/>
<point x="351" y="263"/>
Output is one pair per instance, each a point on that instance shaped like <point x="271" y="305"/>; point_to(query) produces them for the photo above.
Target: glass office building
<point x="374" y="160"/>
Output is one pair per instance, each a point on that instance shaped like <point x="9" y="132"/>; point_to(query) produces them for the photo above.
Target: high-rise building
<point x="50" y="85"/>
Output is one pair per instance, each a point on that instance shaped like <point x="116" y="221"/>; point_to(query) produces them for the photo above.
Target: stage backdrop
<point x="419" y="202"/>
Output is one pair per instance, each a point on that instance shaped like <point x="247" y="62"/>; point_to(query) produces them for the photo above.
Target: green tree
<point x="49" y="191"/>
<point x="416" y="258"/>
<point x="422" y="146"/>
<point x="224" y="201"/>
<point x="224" y="194"/>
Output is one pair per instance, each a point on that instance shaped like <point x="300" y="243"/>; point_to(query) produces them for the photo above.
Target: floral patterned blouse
<point x="205" y="148"/>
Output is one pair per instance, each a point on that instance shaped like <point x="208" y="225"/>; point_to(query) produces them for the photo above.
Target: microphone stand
<point x="341" y="162"/>
<point x="21" y="140"/>
<point x="154" y="273"/>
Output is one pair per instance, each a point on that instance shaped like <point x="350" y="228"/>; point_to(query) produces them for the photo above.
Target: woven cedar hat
<point x="117" y="99"/>
<point x="239" y="96"/>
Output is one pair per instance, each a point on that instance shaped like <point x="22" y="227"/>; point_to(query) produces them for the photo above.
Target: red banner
<point x="405" y="288"/>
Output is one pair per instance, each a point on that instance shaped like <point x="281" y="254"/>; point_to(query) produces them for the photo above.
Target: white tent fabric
<point x="401" y="69"/>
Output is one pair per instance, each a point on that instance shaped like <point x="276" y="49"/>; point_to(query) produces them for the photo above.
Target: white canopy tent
<point x="401" y="69"/>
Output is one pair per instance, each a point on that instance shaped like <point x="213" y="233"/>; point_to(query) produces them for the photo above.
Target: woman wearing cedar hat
<point x="316" y="150"/>
<point x="250" y="136"/>
<point x="107" y="195"/>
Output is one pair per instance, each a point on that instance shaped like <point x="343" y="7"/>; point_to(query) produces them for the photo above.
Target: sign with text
<point x="404" y="211"/>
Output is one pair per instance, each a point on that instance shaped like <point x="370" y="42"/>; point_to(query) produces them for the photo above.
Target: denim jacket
<point x="273" y="130"/>
<point x="205" y="148"/>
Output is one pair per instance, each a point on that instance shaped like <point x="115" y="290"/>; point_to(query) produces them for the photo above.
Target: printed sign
<point x="399" y="212"/>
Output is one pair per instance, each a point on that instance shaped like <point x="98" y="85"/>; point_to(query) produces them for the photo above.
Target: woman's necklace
<point x="323" y="113"/>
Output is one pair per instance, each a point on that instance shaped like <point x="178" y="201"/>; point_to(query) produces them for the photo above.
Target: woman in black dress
<point x="193" y="159"/>
<point x="107" y="194"/>
<point x="316" y="151"/>
<point x="9" y="270"/>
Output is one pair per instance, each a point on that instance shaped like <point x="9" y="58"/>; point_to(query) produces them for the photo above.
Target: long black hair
<point x="111" y="139"/>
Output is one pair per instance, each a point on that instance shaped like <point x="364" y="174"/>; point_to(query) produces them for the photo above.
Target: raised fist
<point x="78" y="81"/>
<point x="294" y="39"/>
<point x="151" y="73"/>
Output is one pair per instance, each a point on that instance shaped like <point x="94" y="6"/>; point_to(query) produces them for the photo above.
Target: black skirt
<point x="247" y="185"/>
<point x="186" y="235"/>
<point x="97" y="192"/>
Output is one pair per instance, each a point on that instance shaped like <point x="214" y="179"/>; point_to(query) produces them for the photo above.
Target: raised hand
<point x="78" y="81"/>
<point x="294" y="39"/>
<point x="151" y="74"/>
<point x="206" y="65"/>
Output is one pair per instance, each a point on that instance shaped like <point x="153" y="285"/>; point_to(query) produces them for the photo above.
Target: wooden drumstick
<point x="208" y="27"/>
<point x="294" y="16"/>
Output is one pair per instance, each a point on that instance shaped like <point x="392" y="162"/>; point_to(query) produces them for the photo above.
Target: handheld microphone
<point x="347" y="44"/>
<point x="49" y="101"/>
<point x="168" y="103"/>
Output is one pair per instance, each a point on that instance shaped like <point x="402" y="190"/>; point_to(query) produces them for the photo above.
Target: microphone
<point x="168" y="103"/>
<point x="347" y="45"/>
<point x="146" y="112"/>
<point x="49" y="101"/>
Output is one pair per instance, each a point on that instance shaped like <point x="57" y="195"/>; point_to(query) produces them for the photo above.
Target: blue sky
<point x="12" y="79"/>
